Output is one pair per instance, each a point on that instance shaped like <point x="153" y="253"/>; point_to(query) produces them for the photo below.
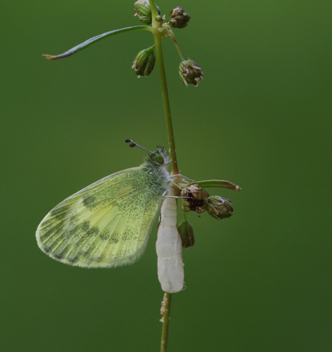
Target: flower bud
<point x="186" y="233"/>
<point x="219" y="207"/>
<point x="159" y="19"/>
<point x="143" y="11"/>
<point x="190" y="72"/>
<point x="144" y="62"/>
<point x="179" y="18"/>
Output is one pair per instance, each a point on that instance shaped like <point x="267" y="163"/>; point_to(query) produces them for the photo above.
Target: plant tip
<point x="49" y="57"/>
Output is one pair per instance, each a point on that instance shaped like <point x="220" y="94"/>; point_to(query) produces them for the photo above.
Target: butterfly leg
<point x="175" y="184"/>
<point x="185" y="177"/>
<point x="164" y="195"/>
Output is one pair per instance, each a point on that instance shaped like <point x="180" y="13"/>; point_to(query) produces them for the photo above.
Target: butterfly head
<point x="159" y="157"/>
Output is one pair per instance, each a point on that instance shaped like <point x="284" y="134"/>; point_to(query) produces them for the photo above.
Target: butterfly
<point x="107" y="224"/>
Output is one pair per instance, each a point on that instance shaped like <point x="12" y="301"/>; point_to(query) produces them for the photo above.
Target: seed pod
<point x="190" y="72"/>
<point x="179" y="18"/>
<point x="144" y="62"/>
<point x="186" y="233"/>
<point x="194" y="198"/>
<point x="143" y="11"/>
<point x="197" y="191"/>
<point x="219" y="207"/>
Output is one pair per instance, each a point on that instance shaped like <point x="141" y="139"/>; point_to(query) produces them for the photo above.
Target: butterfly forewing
<point x="105" y="224"/>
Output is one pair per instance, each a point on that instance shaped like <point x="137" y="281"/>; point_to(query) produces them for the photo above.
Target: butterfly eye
<point x="159" y="159"/>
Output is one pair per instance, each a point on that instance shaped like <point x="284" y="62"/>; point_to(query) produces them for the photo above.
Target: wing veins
<point x="114" y="199"/>
<point x="81" y="220"/>
<point x="125" y="224"/>
<point x="79" y="248"/>
<point x="120" y="217"/>
<point x="62" y="231"/>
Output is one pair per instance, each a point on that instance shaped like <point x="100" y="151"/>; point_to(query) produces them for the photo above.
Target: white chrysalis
<point x="169" y="248"/>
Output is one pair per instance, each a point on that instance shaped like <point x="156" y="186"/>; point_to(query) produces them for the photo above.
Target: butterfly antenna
<point x="133" y="144"/>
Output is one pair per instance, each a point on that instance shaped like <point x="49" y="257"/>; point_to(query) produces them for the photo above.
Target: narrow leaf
<point x="218" y="183"/>
<point x="90" y="41"/>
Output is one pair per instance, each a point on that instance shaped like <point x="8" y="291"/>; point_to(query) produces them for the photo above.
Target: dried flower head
<point x="190" y="72"/>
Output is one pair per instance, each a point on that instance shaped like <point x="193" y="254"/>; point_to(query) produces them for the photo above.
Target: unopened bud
<point x="179" y="18"/>
<point x="144" y="62"/>
<point x="143" y="11"/>
<point x="186" y="233"/>
<point x="159" y="18"/>
<point x="219" y="207"/>
<point x="190" y="72"/>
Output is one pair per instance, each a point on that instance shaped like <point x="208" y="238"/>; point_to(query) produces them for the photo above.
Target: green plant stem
<point x="166" y="312"/>
<point x="167" y="108"/>
<point x="171" y="34"/>
<point x="161" y="67"/>
<point x="153" y="10"/>
<point x="166" y="308"/>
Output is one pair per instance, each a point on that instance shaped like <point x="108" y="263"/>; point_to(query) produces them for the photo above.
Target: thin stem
<point x="161" y="67"/>
<point x="166" y="306"/>
<point x="154" y="10"/>
<point x="171" y="34"/>
<point x="165" y="311"/>
<point x="167" y="108"/>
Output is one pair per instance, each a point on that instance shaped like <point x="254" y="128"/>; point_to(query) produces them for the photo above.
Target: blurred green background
<point x="261" y="118"/>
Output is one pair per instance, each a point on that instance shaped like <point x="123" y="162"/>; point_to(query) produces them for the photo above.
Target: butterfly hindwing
<point x="105" y="224"/>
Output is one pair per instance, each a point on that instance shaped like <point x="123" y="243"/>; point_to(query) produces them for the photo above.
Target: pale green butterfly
<point x="107" y="223"/>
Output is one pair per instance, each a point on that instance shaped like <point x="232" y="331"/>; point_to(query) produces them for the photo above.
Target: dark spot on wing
<point x="85" y="226"/>
<point x="60" y="210"/>
<point x="74" y="219"/>
<point x="105" y="236"/>
<point x="58" y="256"/>
<point x="93" y="231"/>
<point x="88" y="201"/>
<point x="126" y="236"/>
<point x="73" y="260"/>
<point x="86" y="253"/>
<point x="114" y="238"/>
<point x="46" y="249"/>
<point x="65" y="251"/>
<point x="74" y="231"/>
<point x="50" y="229"/>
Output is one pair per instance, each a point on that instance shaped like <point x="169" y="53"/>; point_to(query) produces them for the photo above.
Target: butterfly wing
<point x="105" y="224"/>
